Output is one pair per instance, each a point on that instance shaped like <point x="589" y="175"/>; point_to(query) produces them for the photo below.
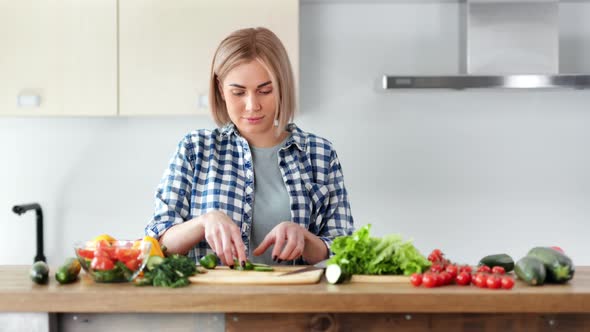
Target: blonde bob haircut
<point x="254" y="44"/>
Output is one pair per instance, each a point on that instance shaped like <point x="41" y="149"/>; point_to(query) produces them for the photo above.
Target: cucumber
<point x="336" y="275"/>
<point x="68" y="272"/>
<point x="154" y="261"/>
<point x="531" y="270"/>
<point x="502" y="260"/>
<point x="208" y="261"/>
<point x="260" y="268"/>
<point x="560" y="267"/>
<point x="39" y="272"/>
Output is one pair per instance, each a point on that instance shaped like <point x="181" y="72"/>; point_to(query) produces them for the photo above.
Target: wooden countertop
<point x="19" y="294"/>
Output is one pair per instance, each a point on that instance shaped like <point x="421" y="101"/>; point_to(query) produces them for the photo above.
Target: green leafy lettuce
<point x="360" y="253"/>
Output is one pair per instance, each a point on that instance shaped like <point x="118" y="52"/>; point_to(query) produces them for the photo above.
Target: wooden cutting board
<point x="224" y="275"/>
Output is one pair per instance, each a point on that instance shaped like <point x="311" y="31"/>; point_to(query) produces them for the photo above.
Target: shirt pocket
<point x="319" y="197"/>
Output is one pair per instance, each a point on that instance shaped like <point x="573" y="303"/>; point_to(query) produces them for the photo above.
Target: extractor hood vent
<point x="507" y="44"/>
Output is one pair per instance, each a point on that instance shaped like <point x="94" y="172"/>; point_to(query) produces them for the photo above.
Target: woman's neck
<point x="265" y="141"/>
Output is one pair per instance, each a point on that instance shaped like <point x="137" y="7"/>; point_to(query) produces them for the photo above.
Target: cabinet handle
<point x="28" y="101"/>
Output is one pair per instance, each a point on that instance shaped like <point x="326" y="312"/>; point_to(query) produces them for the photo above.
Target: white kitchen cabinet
<point x="58" y="57"/>
<point x="166" y="48"/>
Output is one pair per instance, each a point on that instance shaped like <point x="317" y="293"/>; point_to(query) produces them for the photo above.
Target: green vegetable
<point x="360" y="253"/>
<point x="39" y="272"/>
<point x="560" y="267"/>
<point x="530" y="270"/>
<point x="69" y="271"/>
<point x="173" y="272"/>
<point x="119" y="273"/>
<point x="262" y="268"/>
<point x="154" y="261"/>
<point x="249" y="266"/>
<point x="335" y="274"/>
<point x="209" y="261"/>
<point x="502" y="260"/>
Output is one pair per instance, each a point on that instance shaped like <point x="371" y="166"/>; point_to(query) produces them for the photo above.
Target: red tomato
<point x="493" y="282"/>
<point x="463" y="278"/>
<point x="480" y="280"/>
<point x="445" y="278"/>
<point x="416" y="279"/>
<point x="507" y="282"/>
<point x="101" y="263"/>
<point x="484" y="268"/>
<point x="436" y="268"/>
<point x="104" y="249"/>
<point x="558" y="249"/>
<point x="430" y="280"/>
<point x="453" y="270"/>
<point x="498" y="270"/>
<point x="86" y="253"/>
<point x="126" y="254"/>
<point x="465" y="268"/>
<point x="132" y="264"/>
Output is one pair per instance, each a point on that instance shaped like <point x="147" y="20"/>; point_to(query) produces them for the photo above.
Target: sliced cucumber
<point x="154" y="261"/>
<point x="336" y="275"/>
<point x="209" y="261"/>
<point x="262" y="268"/>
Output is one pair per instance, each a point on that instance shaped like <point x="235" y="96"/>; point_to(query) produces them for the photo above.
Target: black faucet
<point x="20" y="209"/>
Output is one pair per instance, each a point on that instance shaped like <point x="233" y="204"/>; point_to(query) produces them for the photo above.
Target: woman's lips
<point x="254" y="120"/>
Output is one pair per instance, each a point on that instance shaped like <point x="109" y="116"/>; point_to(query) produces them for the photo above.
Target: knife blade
<point x="318" y="266"/>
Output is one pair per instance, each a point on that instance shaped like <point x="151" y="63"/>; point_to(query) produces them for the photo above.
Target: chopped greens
<point x="172" y="272"/>
<point x="360" y="253"/>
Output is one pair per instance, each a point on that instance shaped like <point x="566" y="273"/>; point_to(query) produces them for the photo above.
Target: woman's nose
<point x="252" y="103"/>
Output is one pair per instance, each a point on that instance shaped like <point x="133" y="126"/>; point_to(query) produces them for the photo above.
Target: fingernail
<point x="243" y="264"/>
<point x="280" y="260"/>
<point x="231" y="267"/>
<point x="274" y="258"/>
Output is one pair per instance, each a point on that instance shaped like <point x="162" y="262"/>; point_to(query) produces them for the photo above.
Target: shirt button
<point x="246" y="216"/>
<point x="282" y="163"/>
<point x="289" y="181"/>
<point x="248" y="199"/>
<point x="248" y="164"/>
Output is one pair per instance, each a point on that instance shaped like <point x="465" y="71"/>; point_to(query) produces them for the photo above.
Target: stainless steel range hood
<point x="504" y="44"/>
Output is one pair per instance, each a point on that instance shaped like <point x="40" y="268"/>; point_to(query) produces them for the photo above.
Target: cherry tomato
<point x="558" y="249"/>
<point x="416" y="279"/>
<point x="430" y="280"/>
<point x="447" y="278"/>
<point x="86" y="253"/>
<point x="480" y="280"/>
<point x="453" y="270"/>
<point x="463" y="278"/>
<point x="435" y="255"/>
<point x="102" y="263"/>
<point x="498" y="270"/>
<point x="437" y="267"/>
<point x="507" y="282"/>
<point x="465" y="268"/>
<point x="484" y="268"/>
<point x="494" y="282"/>
<point x="126" y="254"/>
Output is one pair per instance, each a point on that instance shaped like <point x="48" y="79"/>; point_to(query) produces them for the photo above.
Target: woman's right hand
<point x="224" y="237"/>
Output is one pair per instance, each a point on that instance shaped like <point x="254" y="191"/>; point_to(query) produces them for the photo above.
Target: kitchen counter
<point x="19" y="294"/>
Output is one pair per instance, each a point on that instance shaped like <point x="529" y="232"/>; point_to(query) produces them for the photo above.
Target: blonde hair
<point x="243" y="46"/>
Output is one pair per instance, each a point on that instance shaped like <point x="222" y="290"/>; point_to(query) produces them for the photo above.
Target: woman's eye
<point x="265" y="92"/>
<point x="237" y="93"/>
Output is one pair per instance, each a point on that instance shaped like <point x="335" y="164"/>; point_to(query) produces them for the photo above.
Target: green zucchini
<point x="39" y="272"/>
<point x="531" y="270"/>
<point x="68" y="272"/>
<point x="560" y="267"/>
<point x="502" y="260"/>
<point x="154" y="261"/>
<point x="336" y="274"/>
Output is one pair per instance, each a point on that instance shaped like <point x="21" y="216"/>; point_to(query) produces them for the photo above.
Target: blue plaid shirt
<point x="212" y="170"/>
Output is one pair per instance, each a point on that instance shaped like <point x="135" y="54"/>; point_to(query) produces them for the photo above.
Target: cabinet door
<point x="166" y="48"/>
<point x="58" y="57"/>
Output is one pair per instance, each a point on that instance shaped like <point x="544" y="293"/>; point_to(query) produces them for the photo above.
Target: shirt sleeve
<point x="337" y="219"/>
<point x="172" y="199"/>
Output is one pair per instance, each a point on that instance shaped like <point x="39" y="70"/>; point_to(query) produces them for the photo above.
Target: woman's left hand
<point x="288" y="239"/>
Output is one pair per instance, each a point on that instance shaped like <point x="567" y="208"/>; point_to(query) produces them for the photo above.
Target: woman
<point x="257" y="181"/>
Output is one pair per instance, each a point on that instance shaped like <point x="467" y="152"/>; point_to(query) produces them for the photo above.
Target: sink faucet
<point x="20" y="209"/>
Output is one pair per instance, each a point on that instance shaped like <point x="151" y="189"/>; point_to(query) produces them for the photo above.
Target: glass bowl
<point x="113" y="261"/>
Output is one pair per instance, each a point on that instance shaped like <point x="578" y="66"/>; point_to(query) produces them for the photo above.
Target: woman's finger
<point x="292" y="242"/>
<point x="279" y="242"/>
<point x="227" y="246"/>
<point x="296" y="253"/>
<point x="239" y="247"/>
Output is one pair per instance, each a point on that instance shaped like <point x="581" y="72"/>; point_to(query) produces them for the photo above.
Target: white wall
<point x="471" y="172"/>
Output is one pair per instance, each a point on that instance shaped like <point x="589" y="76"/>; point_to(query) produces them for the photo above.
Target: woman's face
<point x="251" y="102"/>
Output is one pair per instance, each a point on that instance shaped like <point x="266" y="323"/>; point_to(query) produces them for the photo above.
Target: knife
<point x="318" y="266"/>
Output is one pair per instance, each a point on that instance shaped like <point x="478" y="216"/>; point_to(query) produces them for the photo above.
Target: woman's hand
<point x="224" y="237"/>
<point x="288" y="239"/>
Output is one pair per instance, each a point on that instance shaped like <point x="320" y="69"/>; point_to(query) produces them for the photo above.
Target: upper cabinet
<point x="166" y="48"/>
<point x="58" y="57"/>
